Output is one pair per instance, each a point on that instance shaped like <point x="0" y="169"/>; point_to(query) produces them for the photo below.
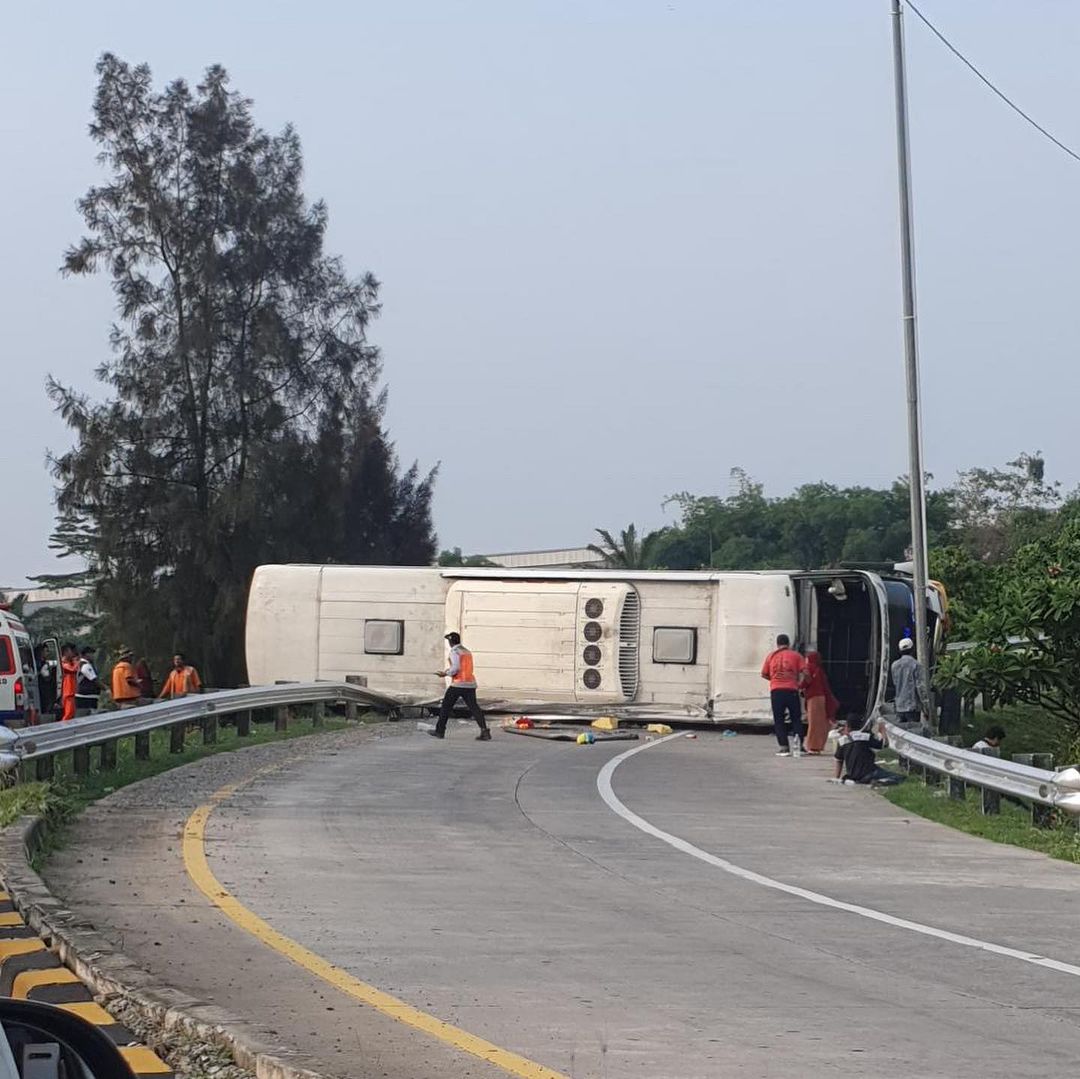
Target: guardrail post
<point x="176" y="738"/>
<point x="80" y="760"/>
<point x="108" y="755"/>
<point x="243" y="724"/>
<point x="45" y="769"/>
<point x="318" y="713"/>
<point x="209" y="730"/>
<point x="1042" y="816"/>
<point x="957" y="789"/>
<point x="142" y="746"/>
<point x="931" y="778"/>
<point x="350" y="711"/>
<point x="991" y="800"/>
<point x="281" y="718"/>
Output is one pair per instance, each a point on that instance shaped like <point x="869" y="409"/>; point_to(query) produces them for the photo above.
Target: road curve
<point x="490" y="886"/>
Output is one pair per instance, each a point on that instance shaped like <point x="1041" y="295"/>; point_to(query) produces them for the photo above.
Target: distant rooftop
<point x="564" y="558"/>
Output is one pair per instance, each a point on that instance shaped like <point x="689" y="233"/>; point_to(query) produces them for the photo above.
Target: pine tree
<point x="243" y="419"/>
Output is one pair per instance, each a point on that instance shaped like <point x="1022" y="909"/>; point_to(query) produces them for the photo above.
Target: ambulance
<point x="19" y="703"/>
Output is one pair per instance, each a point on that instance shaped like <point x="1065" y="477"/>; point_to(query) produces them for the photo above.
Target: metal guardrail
<point x="1058" y="790"/>
<point x="47" y="740"/>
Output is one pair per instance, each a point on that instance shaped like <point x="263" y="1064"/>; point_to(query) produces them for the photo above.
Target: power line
<point x="968" y="64"/>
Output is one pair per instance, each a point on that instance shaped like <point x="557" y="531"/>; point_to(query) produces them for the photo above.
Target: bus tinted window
<point x="7" y="656"/>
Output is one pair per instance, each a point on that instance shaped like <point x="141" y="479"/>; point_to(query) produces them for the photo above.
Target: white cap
<point x="906" y="644"/>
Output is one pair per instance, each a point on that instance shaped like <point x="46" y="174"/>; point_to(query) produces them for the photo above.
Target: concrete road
<point x="490" y="885"/>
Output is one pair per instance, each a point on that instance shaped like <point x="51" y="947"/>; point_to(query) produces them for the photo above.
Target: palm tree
<point x="627" y="552"/>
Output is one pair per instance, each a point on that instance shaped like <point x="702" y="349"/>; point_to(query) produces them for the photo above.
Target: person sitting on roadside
<point x="990" y="740"/>
<point x="855" y="760"/>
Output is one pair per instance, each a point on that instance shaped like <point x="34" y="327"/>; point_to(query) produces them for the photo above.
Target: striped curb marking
<point x="30" y="971"/>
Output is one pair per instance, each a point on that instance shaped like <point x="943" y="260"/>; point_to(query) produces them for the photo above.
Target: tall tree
<point x="243" y="423"/>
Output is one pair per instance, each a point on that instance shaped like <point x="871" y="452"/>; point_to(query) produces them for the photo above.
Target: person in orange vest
<point x="183" y="679"/>
<point x="125" y="686"/>
<point x="462" y="687"/>
<point x="69" y="680"/>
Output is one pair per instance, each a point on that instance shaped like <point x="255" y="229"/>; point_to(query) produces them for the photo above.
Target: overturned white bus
<point x="580" y="639"/>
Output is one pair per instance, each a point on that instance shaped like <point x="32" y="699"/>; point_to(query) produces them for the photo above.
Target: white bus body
<point x="576" y="639"/>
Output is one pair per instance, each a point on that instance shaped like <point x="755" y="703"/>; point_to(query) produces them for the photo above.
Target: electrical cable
<point x="1008" y="101"/>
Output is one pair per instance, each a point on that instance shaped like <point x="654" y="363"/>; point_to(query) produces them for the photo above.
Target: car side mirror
<point x="40" y="1041"/>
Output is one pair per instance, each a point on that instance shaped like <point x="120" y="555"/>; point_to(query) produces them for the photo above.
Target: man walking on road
<point x="911" y="701"/>
<point x="785" y="670"/>
<point x="462" y="687"/>
<point x="183" y="679"/>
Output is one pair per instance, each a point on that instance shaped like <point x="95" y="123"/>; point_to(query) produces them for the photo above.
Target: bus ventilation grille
<point x="629" y="634"/>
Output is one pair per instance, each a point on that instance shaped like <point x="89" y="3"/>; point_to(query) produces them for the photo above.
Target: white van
<point x="18" y="675"/>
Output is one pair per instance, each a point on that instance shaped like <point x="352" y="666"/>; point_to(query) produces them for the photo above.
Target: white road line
<point x="603" y="785"/>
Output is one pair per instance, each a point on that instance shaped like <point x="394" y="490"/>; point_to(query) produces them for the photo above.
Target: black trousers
<point x="450" y="698"/>
<point x="786" y="706"/>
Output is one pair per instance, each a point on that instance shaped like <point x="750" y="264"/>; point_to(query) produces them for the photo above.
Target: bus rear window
<point x="7" y="656"/>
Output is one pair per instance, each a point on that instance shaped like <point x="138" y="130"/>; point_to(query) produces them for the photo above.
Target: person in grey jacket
<point x="912" y="701"/>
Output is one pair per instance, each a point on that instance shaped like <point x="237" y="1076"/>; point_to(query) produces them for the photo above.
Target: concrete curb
<point x="108" y="973"/>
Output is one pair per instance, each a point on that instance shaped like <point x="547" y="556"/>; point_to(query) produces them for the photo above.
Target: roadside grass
<point x="1027" y="730"/>
<point x="1012" y="825"/>
<point x="63" y="797"/>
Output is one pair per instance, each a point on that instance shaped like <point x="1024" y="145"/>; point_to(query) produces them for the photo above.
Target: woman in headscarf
<point x="821" y="705"/>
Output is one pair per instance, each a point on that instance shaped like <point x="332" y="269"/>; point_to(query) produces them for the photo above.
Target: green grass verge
<point x="66" y="795"/>
<point x="1027" y="730"/>
<point x="1012" y="825"/>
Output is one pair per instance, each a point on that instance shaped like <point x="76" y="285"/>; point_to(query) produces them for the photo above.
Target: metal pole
<point x="911" y="347"/>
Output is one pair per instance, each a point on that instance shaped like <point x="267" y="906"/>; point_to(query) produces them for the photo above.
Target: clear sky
<point x="624" y="244"/>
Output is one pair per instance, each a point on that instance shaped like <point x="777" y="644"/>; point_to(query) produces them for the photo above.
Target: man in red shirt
<point x="785" y="671"/>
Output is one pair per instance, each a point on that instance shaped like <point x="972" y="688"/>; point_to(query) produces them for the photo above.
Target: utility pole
<point x="911" y="348"/>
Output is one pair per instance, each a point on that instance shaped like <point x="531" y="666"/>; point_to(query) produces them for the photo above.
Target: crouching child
<point x="855" y="756"/>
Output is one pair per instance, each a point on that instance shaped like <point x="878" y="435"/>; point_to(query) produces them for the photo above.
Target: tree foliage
<point x="454" y="557"/>
<point x="1028" y="630"/>
<point x="819" y="525"/>
<point x="243" y="424"/>
<point x="629" y="551"/>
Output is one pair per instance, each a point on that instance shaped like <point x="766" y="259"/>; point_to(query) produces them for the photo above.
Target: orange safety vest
<point x="465" y="679"/>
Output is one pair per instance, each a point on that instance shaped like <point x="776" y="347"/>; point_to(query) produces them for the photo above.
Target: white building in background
<point x="566" y="558"/>
<point x="39" y="598"/>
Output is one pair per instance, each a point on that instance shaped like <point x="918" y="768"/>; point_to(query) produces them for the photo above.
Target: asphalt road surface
<point x="491" y="886"/>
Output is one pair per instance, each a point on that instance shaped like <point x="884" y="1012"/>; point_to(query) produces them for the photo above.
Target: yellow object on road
<point x="605" y="723"/>
<point x="658" y="728"/>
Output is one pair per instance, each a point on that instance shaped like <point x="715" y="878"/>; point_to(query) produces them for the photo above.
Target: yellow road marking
<point x="9" y="918"/>
<point x="91" y="1012"/>
<point x="198" y="869"/>
<point x="32" y="979"/>
<point x="20" y="947"/>
<point x="143" y="1061"/>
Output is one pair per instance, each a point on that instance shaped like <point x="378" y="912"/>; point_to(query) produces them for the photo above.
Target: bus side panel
<point x="749" y="613"/>
<point x="675" y="605"/>
<point x="281" y="632"/>
<point x="363" y="608"/>
<point x="522" y="635"/>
